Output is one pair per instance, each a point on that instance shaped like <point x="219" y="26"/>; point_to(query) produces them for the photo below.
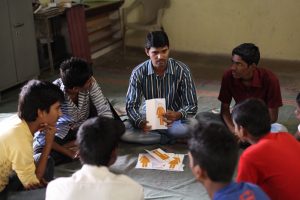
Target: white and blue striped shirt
<point x="74" y="115"/>
<point x="176" y="86"/>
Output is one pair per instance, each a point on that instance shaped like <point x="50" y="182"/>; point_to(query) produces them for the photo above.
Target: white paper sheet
<point x="165" y="161"/>
<point x="155" y="108"/>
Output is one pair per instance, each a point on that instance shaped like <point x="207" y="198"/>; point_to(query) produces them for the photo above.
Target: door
<point x="8" y="75"/>
<point x="23" y="37"/>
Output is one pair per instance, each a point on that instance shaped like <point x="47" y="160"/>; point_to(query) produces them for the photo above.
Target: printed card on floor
<point x="155" y="109"/>
<point x="159" y="154"/>
<point x="160" y="160"/>
<point x="175" y="163"/>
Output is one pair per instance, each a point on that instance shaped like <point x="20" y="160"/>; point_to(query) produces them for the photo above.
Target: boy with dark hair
<point x="38" y="109"/>
<point x="246" y="80"/>
<point x="83" y="99"/>
<point x="159" y="77"/>
<point x="272" y="161"/>
<point x="97" y="139"/>
<point x="213" y="154"/>
<point x="297" y="113"/>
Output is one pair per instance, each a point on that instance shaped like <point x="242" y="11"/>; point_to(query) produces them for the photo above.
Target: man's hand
<point x="73" y="154"/>
<point x="143" y="125"/>
<point x="171" y="116"/>
<point x="35" y="186"/>
<point x="49" y="133"/>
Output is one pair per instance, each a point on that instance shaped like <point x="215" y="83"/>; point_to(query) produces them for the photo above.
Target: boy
<point x="38" y="109"/>
<point x="213" y="154"/>
<point x="160" y="77"/>
<point x="272" y="161"/>
<point x="83" y="99"/>
<point x="97" y="139"/>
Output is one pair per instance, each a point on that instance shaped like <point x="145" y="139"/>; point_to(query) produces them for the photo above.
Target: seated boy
<point x="38" y="109"/>
<point x="213" y="154"/>
<point x="83" y="99"/>
<point x="272" y="161"/>
<point x="98" y="140"/>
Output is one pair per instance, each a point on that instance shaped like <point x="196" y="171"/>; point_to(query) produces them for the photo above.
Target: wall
<point x="216" y="26"/>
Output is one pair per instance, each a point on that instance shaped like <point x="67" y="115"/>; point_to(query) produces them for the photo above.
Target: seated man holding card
<point x="165" y="81"/>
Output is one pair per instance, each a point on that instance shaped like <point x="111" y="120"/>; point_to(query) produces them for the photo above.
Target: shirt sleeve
<point x="99" y="100"/>
<point x="23" y="162"/>
<point x="225" y="95"/>
<point x="189" y="97"/>
<point x="133" y="99"/>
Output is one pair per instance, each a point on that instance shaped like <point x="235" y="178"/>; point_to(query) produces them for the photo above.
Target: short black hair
<point x="75" y="72"/>
<point x="214" y="149"/>
<point x="253" y="115"/>
<point x="248" y="52"/>
<point x="97" y="137"/>
<point x="36" y="95"/>
<point x="298" y="99"/>
<point x="156" y="39"/>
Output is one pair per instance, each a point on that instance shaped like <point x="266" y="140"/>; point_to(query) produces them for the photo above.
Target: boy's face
<point x="159" y="56"/>
<point x="297" y="112"/>
<point x="52" y="116"/>
<point x="240" y="69"/>
<point x="239" y="132"/>
<point x="194" y="169"/>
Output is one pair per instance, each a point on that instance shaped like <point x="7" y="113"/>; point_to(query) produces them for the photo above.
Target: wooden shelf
<point x="103" y="23"/>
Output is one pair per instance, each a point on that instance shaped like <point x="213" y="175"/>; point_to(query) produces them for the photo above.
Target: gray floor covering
<point x="113" y="71"/>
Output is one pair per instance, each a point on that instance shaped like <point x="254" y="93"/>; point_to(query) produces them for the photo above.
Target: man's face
<point x="52" y="116"/>
<point x="159" y="56"/>
<point x="240" y="69"/>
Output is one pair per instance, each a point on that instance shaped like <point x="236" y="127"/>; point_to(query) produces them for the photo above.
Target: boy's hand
<point x="171" y="116"/>
<point x="146" y="128"/>
<point x="49" y="132"/>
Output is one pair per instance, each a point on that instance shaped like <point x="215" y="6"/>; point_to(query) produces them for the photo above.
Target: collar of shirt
<point x="256" y="81"/>
<point x="150" y="70"/>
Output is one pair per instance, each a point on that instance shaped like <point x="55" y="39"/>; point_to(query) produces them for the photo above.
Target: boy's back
<point x="242" y="191"/>
<point x="273" y="163"/>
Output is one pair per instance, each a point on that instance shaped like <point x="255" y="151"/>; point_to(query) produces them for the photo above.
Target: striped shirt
<point x="74" y="115"/>
<point x="176" y="86"/>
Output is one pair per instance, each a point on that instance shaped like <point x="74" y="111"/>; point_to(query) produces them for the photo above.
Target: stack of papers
<point x="160" y="160"/>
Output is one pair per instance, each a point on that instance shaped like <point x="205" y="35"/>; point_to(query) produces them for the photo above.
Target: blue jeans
<point x="179" y="129"/>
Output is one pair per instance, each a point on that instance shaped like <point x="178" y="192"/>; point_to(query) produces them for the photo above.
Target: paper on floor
<point x="160" y="160"/>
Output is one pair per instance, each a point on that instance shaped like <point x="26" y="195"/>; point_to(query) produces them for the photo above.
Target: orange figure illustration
<point x="174" y="162"/>
<point x="160" y="113"/>
<point x="161" y="155"/>
<point x="144" y="160"/>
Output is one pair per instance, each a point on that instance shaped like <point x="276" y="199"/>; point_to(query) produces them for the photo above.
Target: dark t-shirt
<point x="265" y="86"/>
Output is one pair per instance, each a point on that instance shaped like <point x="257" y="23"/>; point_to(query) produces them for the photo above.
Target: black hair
<point x="298" y="99"/>
<point x="248" y="52"/>
<point x="75" y="72"/>
<point x="36" y="95"/>
<point x="97" y="138"/>
<point x="156" y="39"/>
<point x="214" y="149"/>
<point x="253" y="115"/>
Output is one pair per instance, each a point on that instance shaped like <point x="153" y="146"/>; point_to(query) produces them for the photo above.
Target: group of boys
<point x="59" y="119"/>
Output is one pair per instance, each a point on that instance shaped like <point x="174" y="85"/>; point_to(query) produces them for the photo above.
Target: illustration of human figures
<point x="160" y="113"/>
